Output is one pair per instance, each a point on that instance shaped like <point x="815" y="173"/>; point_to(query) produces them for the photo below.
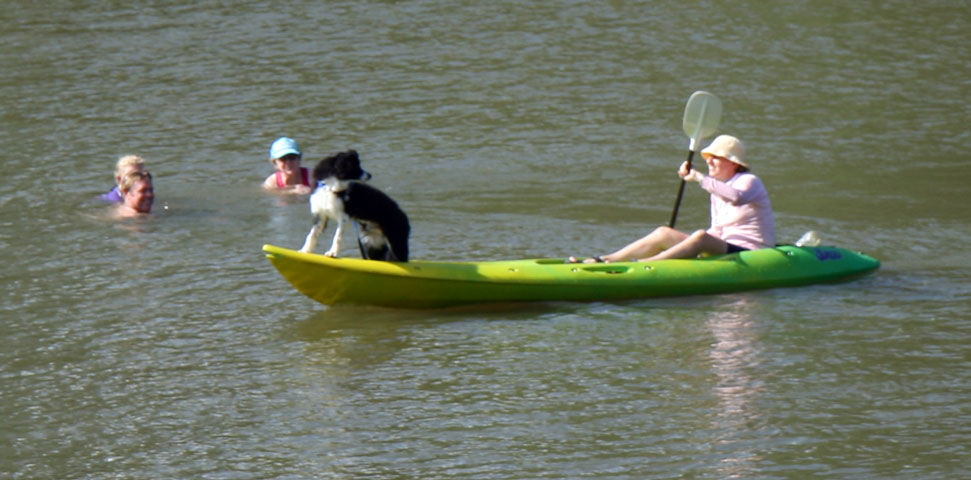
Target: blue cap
<point x="284" y="146"/>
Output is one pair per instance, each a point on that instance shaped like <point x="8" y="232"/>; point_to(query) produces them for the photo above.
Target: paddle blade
<point x="701" y="117"/>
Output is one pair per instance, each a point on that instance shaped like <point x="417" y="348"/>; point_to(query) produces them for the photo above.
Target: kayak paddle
<point x="701" y="117"/>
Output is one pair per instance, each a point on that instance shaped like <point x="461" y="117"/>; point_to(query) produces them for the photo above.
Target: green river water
<point x="168" y="347"/>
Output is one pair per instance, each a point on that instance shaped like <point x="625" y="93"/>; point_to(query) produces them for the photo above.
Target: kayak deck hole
<point x="608" y="269"/>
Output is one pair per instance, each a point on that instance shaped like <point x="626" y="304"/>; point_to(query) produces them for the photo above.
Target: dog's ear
<point x="350" y="165"/>
<point x="323" y="168"/>
<point x="351" y="160"/>
<point x="356" y="172"/>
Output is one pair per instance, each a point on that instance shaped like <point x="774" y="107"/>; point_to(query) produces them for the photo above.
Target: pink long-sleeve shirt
<point x="740" y="211"/>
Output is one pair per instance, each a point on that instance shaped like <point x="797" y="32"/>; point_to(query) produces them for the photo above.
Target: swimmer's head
<point x="128" y="164"/>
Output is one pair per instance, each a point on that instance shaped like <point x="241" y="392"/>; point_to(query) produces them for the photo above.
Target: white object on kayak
<point x="809" y="239"/>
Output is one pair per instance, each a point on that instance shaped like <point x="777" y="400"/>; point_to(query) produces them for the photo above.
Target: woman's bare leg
<point x="693" y="245"/>
<point x="660" y="239"/>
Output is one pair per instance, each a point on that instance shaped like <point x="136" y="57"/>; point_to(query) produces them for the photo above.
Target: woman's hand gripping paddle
<point x="701" y="117"/>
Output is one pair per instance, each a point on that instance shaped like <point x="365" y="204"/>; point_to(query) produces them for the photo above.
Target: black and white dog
<point x="343" y="196"/>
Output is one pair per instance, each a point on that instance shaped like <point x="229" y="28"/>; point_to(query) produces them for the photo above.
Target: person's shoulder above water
<point x="289" y="176"/>
<point x="113" y="195"/>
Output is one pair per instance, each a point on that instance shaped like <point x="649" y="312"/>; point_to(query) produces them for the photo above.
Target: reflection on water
<point x="734" y="354"/>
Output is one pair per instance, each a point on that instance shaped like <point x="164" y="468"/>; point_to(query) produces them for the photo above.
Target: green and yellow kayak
<point x="432" y="284"/>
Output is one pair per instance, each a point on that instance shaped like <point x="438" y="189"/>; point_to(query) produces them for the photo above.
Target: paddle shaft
<point x="677" y="203"/>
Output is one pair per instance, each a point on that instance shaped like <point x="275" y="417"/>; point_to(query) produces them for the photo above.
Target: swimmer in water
<point x="126" y="164"/>
<point x="289" y="177"/>
<point x="137" y="195"/>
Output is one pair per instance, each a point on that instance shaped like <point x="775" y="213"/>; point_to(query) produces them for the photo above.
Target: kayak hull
<point x="432" y="284"/>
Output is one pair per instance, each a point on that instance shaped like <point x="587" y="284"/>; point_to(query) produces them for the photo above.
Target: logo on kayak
<point x="824" y="255"/>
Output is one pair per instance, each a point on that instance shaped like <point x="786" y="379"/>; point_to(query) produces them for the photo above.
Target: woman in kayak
<point x="289" y="177"/>
<point x="741" y="215"/>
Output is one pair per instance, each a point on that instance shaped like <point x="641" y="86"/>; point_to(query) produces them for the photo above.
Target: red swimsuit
<point x="304" y="174"/>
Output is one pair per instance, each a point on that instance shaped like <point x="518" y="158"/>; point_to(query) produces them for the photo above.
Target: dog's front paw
<point x="331" y="253"/>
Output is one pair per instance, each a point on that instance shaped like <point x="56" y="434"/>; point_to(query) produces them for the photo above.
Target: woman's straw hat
<point x="727" y="146"/>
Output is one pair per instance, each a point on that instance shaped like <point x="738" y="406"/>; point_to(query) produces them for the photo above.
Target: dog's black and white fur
<point x="342" y="196"/>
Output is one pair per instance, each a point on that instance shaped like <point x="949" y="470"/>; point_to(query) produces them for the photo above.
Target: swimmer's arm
<point x="270" y="182"/>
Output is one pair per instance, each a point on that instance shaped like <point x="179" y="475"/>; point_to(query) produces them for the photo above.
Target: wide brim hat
<point x="284" y="146"/>
<point x="727" y="146"/>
